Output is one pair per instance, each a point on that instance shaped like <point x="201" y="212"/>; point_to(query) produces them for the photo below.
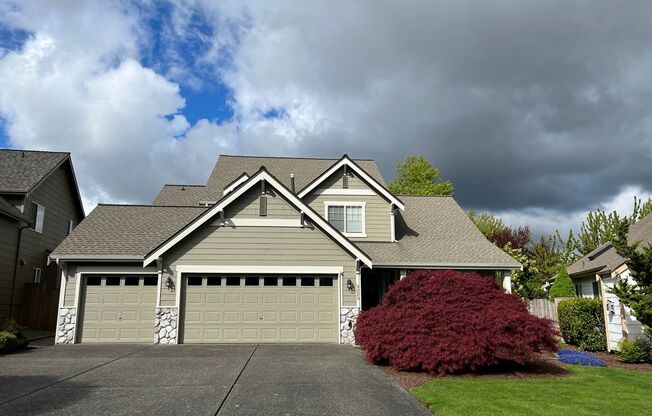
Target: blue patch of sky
<point x="275" y="113"/>
<point x="11" y="39"/>
<point x="178" y="57"/>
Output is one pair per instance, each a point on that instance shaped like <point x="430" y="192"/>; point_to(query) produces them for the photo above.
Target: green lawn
<point x="588" y="391"/>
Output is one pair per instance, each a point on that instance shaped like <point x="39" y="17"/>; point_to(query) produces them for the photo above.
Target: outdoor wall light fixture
<point x="349" y="285"/>
<point x="169" y="284"/>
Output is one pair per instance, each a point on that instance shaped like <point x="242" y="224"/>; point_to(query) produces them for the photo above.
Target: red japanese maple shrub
<point x="446" y="322"/>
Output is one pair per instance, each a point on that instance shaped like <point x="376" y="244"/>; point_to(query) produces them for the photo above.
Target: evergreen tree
<point x="563" y="286"/>
<point x="416" y="176"/>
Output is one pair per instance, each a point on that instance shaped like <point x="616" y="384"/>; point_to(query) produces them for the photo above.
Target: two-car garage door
<point x="254" y="308"/>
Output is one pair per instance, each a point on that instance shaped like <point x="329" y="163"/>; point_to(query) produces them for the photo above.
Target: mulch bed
<point x="545" y="367"/>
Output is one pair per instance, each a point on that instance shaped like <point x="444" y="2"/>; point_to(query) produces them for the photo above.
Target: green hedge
<point x="634" y="351"/>
<point x="581" y="322"/>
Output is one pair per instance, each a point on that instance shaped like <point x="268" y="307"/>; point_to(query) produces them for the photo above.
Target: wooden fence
<point x="543" y="308"/>
<point x="40" y="305"/>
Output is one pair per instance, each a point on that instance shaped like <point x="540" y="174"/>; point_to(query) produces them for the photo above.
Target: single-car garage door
<point x="260" y="309"/>
<point x="118" y="308"/>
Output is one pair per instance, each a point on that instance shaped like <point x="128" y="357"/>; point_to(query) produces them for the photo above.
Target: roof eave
<point x="464" y="266"/>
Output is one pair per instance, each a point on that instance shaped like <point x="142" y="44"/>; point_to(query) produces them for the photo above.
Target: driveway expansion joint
<point x="235" y="381"/>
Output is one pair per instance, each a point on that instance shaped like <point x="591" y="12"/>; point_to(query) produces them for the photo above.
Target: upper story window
<point x="71" y="226"/>
<point x="37" y="215"/>
<point x="347" y="217"/>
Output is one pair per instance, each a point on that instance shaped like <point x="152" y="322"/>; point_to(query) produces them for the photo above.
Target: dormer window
<point x="347" y="217"/>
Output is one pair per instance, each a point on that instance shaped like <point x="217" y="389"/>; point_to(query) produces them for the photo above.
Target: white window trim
<point x="346" y="204"/>
<point x="347" y="191"/>
<point x="40" y="219"/>
<point x="39" y="273"/>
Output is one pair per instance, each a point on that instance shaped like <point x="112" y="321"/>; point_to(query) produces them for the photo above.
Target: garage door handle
<point x="260" y="317"/>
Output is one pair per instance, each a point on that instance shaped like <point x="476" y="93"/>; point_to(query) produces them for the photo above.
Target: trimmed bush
<point x="581" y="322"/>
<point x="12" y="338"/>
<point x="580" y="358"/>
<point x="634" y="351"/>
<point x="446" y="321"/>
<point x="563" y="286"/>
<point x="8" y="342"/>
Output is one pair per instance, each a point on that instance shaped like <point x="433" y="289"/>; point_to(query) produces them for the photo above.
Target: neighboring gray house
<point x="269" y="250"/>
<point x="39" y="207"/>
<point x="596" y="273"/>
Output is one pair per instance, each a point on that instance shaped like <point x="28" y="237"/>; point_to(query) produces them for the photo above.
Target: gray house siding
<point x="258" y="246"/>
<point x="377" y="209"/>
<point x="57" y="195"/>
<point x="9" y="233"/>
<point x="248" y="206"/>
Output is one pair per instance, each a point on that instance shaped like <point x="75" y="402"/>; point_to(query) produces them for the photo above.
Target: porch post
<point x="507" y="280"/>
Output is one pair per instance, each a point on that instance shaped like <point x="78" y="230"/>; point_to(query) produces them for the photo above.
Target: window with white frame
<point x="37" y="217"/>
<point x="347" y="217"/>
<point x="36" y="275"/>
<point x="71" y="225"/>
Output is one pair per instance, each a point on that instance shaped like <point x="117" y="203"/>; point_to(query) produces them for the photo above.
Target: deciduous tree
<point x="416" y="176"/>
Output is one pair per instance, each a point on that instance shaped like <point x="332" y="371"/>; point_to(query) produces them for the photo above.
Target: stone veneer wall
<point x="66" y="322"/>
<point x="348" y="316"/>
<point x="165" y="325"/>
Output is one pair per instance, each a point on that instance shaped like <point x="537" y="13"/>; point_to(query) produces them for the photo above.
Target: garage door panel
<point x="212" y="316"/>
<point x="213" y="298"/>
<point x="271" y="298"/>
<point x="289" y="299"/>
<point x="117" y="313"/>
<point x="232" y="298"/>
<point x="231" y="316"/>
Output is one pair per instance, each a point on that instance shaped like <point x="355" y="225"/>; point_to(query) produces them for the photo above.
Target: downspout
<point x="13" y="281"/>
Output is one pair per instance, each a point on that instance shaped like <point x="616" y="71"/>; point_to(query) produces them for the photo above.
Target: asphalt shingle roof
<point x="229" y="168"/>
<point x="21" y="170"/>
<point x="125" y="230"/>
<point x="604" y="258"/>
<point x="434" y="230"/>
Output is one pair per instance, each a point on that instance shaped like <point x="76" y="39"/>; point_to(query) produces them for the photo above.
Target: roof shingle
<point x="21" y="170"/>
<point x="125" y="230"/>
<point x="230" y="167"/>
<point x="432" y="231"/>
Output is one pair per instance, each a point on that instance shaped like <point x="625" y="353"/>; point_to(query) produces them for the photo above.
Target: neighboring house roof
<point x="229" y="167"/>
<point x="604" y="259"/>
<point x="434" y="231"/>
<point x="255" y="179"/>
<point x="23" y="170"/>
<point x="114" y="231"/>
<point x="9" y="210"/>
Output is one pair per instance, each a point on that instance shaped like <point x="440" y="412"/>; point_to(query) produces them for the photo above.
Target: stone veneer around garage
<point x="348" y="316"/>
<point x="165" y="325"/>
<point x="66" y="326"/>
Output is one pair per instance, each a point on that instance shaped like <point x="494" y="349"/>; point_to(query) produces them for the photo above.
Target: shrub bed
<point x="581" y="322"/>
<point x="446" y="321"/>
<point x="11" y="337"/>
<point x="634" y="351"/>
<point x="580" y="358"/>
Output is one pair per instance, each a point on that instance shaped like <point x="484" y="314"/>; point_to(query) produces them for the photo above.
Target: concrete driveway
<point x="199" y="380"/>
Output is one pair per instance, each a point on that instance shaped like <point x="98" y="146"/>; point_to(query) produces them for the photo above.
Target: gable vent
<point x="263" y="205"/>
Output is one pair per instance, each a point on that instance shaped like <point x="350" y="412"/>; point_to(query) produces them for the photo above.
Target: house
<point x="39" y="207"/>
<point x="596" y="273"/>
<point x="270" y="249"/>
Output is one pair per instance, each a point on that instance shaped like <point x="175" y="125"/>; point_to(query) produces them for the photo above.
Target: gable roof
<point x="11" y="211"/>
<point x="433" y="231"/>
<point x="605" y="259"/>
<point x="228" y="168"/>
<point x="22" y="170"/>
<point x="124" y="231"/>
<point x="346" y="161"/>
<point x="261" y="175"/>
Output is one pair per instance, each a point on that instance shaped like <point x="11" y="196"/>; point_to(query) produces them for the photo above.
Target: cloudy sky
<point x="539" y="111"/>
